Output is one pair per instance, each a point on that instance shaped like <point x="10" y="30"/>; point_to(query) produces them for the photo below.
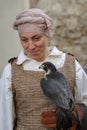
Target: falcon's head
<point x="48" y="67"/>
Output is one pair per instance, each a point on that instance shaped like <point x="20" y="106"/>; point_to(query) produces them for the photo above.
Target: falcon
<point x="55" y="86"/>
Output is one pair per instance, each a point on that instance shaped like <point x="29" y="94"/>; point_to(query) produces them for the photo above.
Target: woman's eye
<point x="37" y="38"/>
<point x="24" y="40"/>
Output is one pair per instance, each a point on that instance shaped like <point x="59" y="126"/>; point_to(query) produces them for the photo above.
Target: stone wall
<point x="70" y="24"/>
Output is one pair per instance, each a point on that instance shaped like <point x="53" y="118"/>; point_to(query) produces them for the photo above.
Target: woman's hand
<point x="49" y="118"/>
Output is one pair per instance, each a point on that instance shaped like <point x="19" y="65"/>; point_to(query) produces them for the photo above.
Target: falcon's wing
<point x="61" y="78"/>
<point x="55" y="91"/>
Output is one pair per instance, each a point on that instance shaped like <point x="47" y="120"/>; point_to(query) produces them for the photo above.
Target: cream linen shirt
<point x="7" y="112"/>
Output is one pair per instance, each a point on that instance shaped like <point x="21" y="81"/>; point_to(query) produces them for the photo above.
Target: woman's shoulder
<point x="6" y="73"/>
<point x="11" y="60"/>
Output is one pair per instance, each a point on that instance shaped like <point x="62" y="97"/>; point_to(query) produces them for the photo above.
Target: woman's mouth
<point x="33" y="52"/>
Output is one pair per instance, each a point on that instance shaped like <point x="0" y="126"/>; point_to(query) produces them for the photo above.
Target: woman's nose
<point x="31" y="45"/>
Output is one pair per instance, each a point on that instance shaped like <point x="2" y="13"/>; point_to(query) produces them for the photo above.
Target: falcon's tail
<point x="63" y="121"/>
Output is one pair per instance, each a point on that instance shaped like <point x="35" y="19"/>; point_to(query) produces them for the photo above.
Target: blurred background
<point x="70" y="24"/>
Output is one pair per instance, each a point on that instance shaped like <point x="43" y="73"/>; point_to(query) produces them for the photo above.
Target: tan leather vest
<point x="28" y="97"/>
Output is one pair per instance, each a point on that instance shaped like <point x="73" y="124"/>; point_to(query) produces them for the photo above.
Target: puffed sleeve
<point x="81" y="84"/>
<point x="7" y="112"/>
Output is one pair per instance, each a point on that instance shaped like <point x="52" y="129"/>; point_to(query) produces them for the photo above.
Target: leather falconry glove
<point x="49" y="118"/>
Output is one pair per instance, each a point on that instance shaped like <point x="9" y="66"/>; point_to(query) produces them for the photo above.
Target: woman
<point x="22" y="103"/>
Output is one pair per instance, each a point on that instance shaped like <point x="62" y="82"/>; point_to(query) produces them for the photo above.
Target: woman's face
<point x="35" y="45"/>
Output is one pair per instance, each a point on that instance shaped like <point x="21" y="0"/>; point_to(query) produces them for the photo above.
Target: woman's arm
<point x="81" y="84"/>
<point x="7" y="114"/>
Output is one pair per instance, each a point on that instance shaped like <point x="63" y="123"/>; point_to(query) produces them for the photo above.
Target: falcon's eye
<point x="45" y="66"/>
